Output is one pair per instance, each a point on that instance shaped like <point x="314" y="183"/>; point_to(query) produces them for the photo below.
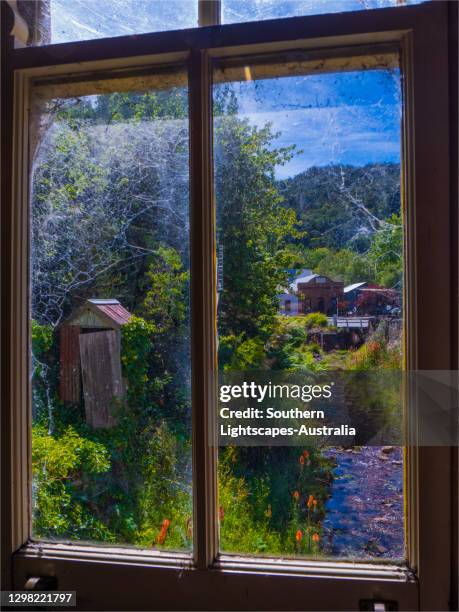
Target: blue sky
<point x="88" y="19"/>
<point x="250" y="10"/>
<point x="338" y="118"/>
<point x="342" y="118"/>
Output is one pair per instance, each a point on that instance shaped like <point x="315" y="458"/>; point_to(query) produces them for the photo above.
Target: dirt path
<point x="365" y="510"/>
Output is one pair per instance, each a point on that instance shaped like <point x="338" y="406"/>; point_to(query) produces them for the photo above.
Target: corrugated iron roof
<point x="353" y="286"/>
<point x="303" y="280"/>
<point x="293" y="273"/>
<point x="112" y="309"/>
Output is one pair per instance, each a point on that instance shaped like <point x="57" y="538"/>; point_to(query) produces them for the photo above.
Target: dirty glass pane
<point x="59" y="21"/>
<point x="237" y="11"/>
<point x="110" y="351"/>
<point x="310" y="286"/>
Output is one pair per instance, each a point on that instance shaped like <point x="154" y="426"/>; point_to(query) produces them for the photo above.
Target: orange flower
<point x="306" y="454"/>
<point x="162" y="535"/>
<point x="310" y="501"/>
<point x="221" y="513"/>
<point x="299" y="535"/>
<point x="301" y="460"/>
<point x="316" y="538"/>
<point x="296" y="495"/>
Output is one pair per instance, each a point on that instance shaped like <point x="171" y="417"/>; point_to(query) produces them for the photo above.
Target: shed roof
<point x="112" y="309"/>
<point x="109" y="311"/>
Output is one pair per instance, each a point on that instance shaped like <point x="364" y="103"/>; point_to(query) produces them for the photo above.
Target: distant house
<point x="288" y="303"/>
<point x="309" y="292"/>
<point x="317" y="293"/>
<point x="371" y="299"/>
<point x="90" y="359"/>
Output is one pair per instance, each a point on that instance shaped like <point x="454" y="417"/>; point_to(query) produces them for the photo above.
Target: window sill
<point x="225" y="563"/>
<point x="317" y="568"/>
<point x="107" y="554"/>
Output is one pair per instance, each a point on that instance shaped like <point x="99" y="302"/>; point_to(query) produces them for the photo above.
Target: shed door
<point x="101" y="373"/>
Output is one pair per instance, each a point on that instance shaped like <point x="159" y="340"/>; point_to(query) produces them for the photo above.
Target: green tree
<point x="166" y="291"/>
<point x="253" y="226"/>
<point x="385" y="255"/>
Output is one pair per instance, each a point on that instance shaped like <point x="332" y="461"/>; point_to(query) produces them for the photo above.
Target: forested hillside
<point x="349" y="222"/>
<point x="340" y="206"/>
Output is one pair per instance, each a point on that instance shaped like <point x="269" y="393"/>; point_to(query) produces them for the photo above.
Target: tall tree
<point x="253" y="226"/>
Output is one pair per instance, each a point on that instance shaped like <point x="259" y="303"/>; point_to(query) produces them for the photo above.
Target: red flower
<point x="301" y="460"/>
<point x="296" y="495"/>
<point x="316" y="538"/>
<point x="299" y="535"/>
<point x="310" y="501"/>
<point x="163" y="533"/>
<point x="306" y="454"/>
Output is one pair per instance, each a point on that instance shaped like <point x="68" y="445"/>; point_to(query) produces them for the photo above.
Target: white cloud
<point x="343" y="134"/>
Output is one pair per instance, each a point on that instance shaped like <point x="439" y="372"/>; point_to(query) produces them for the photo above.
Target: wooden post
<point x="70" y="377"/>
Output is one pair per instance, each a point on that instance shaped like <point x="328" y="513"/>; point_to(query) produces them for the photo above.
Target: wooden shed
<point x="90" y="359"/>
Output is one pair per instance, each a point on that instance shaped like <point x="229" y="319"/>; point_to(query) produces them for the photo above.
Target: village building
<point x="352" y="293"/>
<point x="371" y="299"/>
<point x="90" y="359"/>
<point x="317" y="293"/>
<point x="309" y="292"/>
<point x="289" y="303"/>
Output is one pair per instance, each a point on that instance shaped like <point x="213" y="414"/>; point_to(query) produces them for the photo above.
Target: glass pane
<point x="111" y="436"/>
<point x="237" y="11"/>
<point x="60" y="21"/>
<point x="310" y="287"/>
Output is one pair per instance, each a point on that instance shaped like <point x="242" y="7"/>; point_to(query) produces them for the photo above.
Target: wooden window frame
<point x="121" y="578"/>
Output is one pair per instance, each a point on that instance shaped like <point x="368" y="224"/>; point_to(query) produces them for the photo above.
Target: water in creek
<point x="365" y="510"/>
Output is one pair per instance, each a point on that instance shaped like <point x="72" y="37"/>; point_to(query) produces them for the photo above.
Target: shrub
<point x="42" y="339"/>
<point x="62" y="467"/>
<point x="239" y="530"/>
<point x="235" y="353"/>
<point x="165" y="501"/>
<point x="315" y="319"/>
<point x="136" y="347"/>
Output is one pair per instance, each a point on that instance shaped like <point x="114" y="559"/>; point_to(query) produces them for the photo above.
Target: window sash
<point x="419" y="32"/>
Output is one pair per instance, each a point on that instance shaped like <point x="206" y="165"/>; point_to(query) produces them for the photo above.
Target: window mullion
<point x="209" y="12"/>
<point x="203" y="308"/>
